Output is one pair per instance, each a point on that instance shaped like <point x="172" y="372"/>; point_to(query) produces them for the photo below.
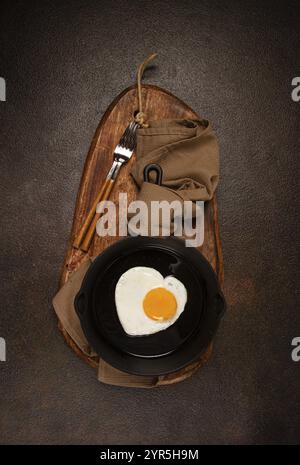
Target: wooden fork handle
<point x="103" y="191"/>
<point x="92" y="228"/>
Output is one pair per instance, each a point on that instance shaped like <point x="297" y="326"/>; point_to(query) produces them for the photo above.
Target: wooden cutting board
<point x="158" y="104"/>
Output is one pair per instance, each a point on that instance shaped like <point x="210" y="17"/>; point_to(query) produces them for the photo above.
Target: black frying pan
<point x="165" y="351"/>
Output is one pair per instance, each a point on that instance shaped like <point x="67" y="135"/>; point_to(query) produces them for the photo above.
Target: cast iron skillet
<point x="166" y="351"/>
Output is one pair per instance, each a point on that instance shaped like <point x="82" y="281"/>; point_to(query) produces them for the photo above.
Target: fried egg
<point x="146" y="302"/>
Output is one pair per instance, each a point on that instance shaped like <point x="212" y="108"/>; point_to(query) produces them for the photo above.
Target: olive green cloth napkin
<point x="188" y="153"/>
<point x="63" y="304"/>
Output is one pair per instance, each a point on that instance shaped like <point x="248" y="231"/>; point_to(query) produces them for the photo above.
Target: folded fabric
<point x="188" y="153"/>
<point x="63" y="304"/>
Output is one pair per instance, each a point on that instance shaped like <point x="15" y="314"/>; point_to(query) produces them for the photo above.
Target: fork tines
<point x="128" y="139"/>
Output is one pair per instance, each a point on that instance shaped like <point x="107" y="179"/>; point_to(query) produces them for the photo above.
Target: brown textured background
<point x="233" y="62"/>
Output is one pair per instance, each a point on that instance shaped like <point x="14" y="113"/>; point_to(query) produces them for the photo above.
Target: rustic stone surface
<point x="232" y="62"/>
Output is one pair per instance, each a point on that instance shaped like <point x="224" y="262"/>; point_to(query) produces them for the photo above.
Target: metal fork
<point x="122" y="154"/>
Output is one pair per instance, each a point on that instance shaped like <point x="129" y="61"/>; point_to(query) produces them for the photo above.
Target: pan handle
<point x="220" y="304"/>
<point x="80" y="304"/>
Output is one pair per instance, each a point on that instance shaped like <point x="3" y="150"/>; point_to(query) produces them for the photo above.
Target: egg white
<point x="130" y="291"/>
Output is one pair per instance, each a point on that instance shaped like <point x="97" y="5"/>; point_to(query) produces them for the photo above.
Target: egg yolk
<point x="160" y="304"/>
